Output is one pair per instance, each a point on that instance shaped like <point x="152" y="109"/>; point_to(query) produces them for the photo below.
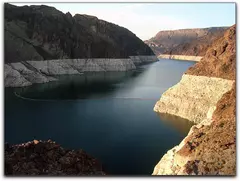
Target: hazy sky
<point x="146" y="19"/>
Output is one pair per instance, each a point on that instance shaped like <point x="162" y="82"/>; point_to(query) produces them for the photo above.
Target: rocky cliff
<point x="206" y="95"/>
<point x="25" y="73"/>
<point x="192" y="42"/>
<point x="47" y="158"/>
<point x="44" y="33"/>
<point x="40" y="42"/>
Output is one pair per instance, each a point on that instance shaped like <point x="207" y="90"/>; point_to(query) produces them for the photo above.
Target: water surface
<point x="108" y="114"/>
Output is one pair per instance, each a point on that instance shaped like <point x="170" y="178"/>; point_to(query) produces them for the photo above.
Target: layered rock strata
<point x="194" y="97"/>
<point x="48" y="158"/>
<point x="210" y="146"/>
<point x="181" y="57"/>
<point x="206" y="95"/>
<point x="143" y="59"/>
<point x="29" y="72"/>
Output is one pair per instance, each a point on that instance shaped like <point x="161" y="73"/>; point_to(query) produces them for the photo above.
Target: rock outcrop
<point x="206" y="95"/>
<point x="181" y="57"/>
<point x="26" y="73"/>
<point x="139" y="60"/>
<point x="44" y="33"/>
<point x="191" y="42"/>
<point x="194" y="97"/>
<point x="47" y="158"/>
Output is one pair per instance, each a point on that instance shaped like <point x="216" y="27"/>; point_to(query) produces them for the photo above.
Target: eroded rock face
<point x="198" y="46"/>
<point x="18" y="75"/>
<point x="12" y="78"/>
<point x="210" y="146"/>
<point x="194" y="97"/>
<point x="48" y="158"/>
<point x="29" y="72"/>
<point x="220" y="58"/>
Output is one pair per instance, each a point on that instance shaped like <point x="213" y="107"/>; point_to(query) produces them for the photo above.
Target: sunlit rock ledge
<point x="26" y="73"/>
<point x="194" y="97"/>
<point x="181" y="57"/>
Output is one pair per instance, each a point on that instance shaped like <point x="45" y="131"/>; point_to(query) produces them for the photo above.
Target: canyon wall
<point x="191" y="42"/>
<point x="144" y="59"/>
<point x="205" y="95"/>
<point x="40" y="32"/>
<point x="41" y="42"/>
<point x="194" y="97"/>
<point x="180" y="57"/>
<point x="26" y="73"/>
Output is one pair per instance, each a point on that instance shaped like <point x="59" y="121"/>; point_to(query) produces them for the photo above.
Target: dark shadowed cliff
<point x="42" y="32"/>
<point x="193" y="42"/>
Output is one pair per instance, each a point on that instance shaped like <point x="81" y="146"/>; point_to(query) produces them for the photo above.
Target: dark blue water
<point x="109" y="115"/>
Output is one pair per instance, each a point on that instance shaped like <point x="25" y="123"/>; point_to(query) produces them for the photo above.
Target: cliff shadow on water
<point x="90" y="85"/>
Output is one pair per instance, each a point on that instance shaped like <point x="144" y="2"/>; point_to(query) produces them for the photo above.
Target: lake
<point x="107" y="114"/>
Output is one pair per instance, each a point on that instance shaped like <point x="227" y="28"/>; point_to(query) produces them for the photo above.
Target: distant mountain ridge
<point x="43" y="33"/>
<point x="192" y="42"/>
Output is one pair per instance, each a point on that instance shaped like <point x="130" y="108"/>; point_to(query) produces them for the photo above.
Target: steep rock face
<point x="198" y="46"/>
<point x="44" y="33"/>
<point x="47" y="158"/>
<point x="14" y="78"/>
<point x="194" y="97"/>
<point x="28" y="72"/>
<point x="208" y="79"/>
<point x="210" y="146"/>
<point x="192" y="42"/>
<point x="220" y="58"/>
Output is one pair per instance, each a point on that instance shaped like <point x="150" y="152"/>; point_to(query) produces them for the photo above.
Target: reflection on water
<point x="86" y="86"/>
<point x="180" y="124"/>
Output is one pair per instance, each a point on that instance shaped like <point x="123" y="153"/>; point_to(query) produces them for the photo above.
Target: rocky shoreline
<point x="48" y="158"/>
<point x="181" y="57"/>
<point x="26" y="73"/>
<point x="205" y="95"/>
<point x="194" y="97"/>
<point x="210" y="146"/>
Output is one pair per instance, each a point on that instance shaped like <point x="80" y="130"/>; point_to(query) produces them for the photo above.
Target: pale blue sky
<point x="146" y="19"/>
